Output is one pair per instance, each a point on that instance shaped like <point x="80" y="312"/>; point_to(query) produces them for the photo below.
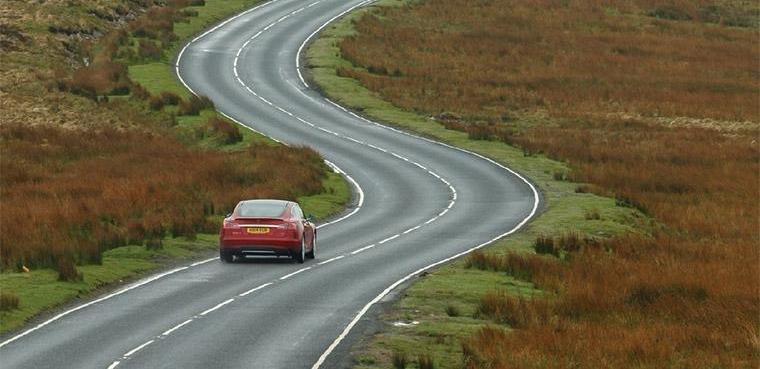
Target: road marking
<point x="362" y="249"/>
<point x="252" y="290"/>
<point x="80" y="307"/>
<point x="331" y="260"/>
<point x="178" y="326"/>
<point x="412" y="229"/>
<point x="202" y="262"/>
<point x="218" y="306"/>
<point x="389" y="239"/>
<point x="138" y="348"/>
<point x="286" y="276"/>
<point x="114" y="364"/>
<point x="303" y="44"/>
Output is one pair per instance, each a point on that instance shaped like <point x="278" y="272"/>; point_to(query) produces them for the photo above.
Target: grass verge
<point x="440" y="310"/>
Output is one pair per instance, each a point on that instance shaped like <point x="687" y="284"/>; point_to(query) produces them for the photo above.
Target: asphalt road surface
<point x="416" y="203"/>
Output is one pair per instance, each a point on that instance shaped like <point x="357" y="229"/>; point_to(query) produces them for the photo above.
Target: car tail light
<point x="290" y="227"/>
<point x="231" y="224"/>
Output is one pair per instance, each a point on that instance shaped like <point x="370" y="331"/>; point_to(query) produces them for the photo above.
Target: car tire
<point x="300" y="255"/>
<point x="226" y="256"/>
<point x="313" y="253"/>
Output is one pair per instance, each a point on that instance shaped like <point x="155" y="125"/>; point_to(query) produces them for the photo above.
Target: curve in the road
<point x="249" y="65"/>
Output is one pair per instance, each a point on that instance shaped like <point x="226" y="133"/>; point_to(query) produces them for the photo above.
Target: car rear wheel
<point x="300" y="256"/>
<point x="313" y="253"/>
<point x="225" y="256"/>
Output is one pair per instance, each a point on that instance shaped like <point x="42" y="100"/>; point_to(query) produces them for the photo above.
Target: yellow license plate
<point x="258" y="230"/>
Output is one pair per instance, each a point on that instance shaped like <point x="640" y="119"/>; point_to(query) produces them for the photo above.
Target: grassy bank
<point x="445" y="302"/>
<point x="180" y="167"/>
<point x="593" y="282"/>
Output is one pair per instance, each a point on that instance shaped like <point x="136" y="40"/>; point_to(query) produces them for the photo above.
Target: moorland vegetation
<point x="652" y="103"/>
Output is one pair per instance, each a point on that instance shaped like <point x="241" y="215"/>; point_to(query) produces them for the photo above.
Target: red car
<point x="267" y="228"/>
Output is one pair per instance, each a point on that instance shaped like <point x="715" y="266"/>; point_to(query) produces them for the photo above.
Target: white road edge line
<point x="202" y="262"/>
<point x="80" y="307"/>
<point x="218" y="306"/>
<point x="306" y="41"/>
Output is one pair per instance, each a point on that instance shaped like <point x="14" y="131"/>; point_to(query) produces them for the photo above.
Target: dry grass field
<point x="653" y="103"/>
<point x="89" y="160"/>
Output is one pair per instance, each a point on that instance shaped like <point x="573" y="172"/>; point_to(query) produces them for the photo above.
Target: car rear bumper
<point x="242" y="248"/>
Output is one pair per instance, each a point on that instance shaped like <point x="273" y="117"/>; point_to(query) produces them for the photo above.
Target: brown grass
<point x="74" y="194"/>
<point x="101" y="78"/>
<point x="487" y="61"/>
<point x="604" y="73"/>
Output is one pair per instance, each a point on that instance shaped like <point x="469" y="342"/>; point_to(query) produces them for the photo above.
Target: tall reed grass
<point x="74" y="194"/>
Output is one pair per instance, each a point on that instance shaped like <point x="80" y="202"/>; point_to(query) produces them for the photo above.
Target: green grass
<point x="160" y="76"/>
<point x="40" y="289"/>
<point x="329" y="203"/>
<point x="426" y="301"/>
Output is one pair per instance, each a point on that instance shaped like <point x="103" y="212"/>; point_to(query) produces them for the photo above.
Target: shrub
<point x="154" y="243"/>
<point x="425" y="361"/>
<point x="158" y="22"/>
<point x="194" y="105"/>
<point x="67" y="270"/>
<point x="102" y="78"/>
<point x="148" y="49"/>
<point x="156" y="103"/>
<point x="452" y="311"/>
<point x="545" y="245"/>
<point x="227" y="133"/>
<point x="170" y="98"/>
<point x="140" y="92"/>
<point x="399" y="359"/>
<point x="8" y="301"/>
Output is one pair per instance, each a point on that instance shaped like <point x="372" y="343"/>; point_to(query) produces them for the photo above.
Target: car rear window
<point x="260" y="209"/>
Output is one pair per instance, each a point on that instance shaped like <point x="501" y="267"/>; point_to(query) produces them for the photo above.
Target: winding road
<point x="417" y="204"/>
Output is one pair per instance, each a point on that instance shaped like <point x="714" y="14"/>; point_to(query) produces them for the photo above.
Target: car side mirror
<point x="228" y="215"/>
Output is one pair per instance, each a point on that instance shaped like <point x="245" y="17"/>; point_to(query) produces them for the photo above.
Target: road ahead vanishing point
<point x="417" y="204"/>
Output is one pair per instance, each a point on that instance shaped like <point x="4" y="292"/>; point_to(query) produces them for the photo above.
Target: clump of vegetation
<point x="8" y="301"/>
<point x="225" y="132"/>
<point x="425" y="361"/>
<point x="67" y="270"/>
<point x="101" y="78"/>
<point x="194" y="105"/>
<point x="399" y="359"/>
